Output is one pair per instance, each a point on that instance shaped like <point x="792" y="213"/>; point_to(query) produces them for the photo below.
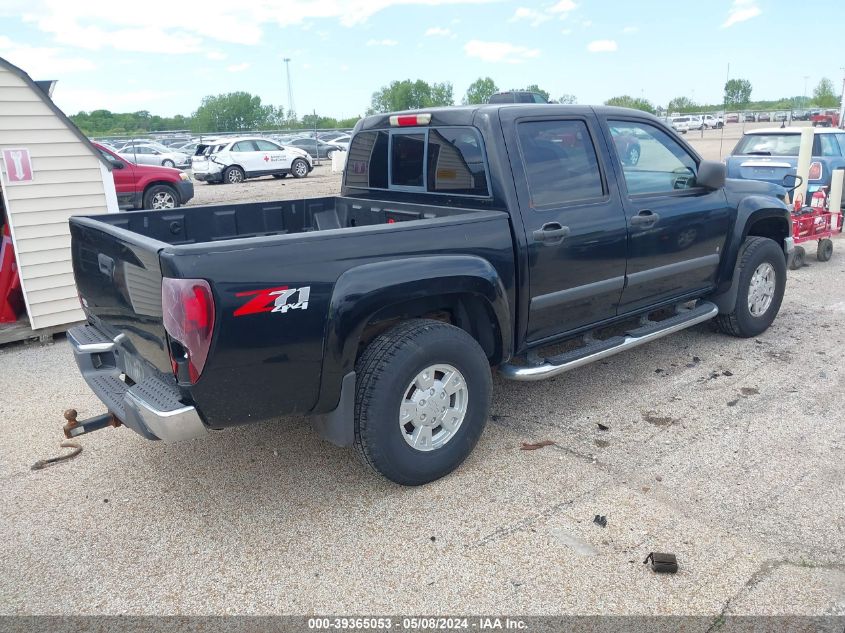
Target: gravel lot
<point x="726" y="452"/>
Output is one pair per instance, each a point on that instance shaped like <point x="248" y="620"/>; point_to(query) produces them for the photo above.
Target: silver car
<point x="152" y="155"/>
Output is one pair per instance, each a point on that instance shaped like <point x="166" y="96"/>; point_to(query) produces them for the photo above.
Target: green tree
<point x="824" y="95"/>
<point x="480" y="90"/>
<point x="411" y="95"/>
<point x="538" y="90"/>
<point x="627" y="101"/>
<point x="682" y="104"/>
<point x="737" y="93"/>
<point x="231" y="112"/>
<point x="568" y="99"/>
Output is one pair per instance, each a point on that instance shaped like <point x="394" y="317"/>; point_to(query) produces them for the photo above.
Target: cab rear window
<point x="445" y="160"/>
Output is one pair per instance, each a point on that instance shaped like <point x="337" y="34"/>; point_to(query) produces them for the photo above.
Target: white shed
<point x="49" y="171"/>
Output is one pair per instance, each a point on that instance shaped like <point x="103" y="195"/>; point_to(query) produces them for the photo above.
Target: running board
<point x="597" y="350"/>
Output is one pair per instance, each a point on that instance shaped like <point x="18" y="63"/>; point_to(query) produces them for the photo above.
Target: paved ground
<point x="726" y="452"/>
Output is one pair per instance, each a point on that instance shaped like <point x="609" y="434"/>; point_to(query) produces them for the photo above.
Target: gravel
<point x="267" y="519"/>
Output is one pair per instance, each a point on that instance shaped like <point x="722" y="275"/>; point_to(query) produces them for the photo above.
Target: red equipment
<point x="11" y="297"/>
<point x="812" y="223"/>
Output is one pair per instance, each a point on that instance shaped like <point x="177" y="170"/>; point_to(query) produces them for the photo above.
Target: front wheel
<point x="168" y="163"/>
<point x="422" y="397"/>
<point x="161" y="197"/>
<point x="762" y="281"/>
<point x="299" y="168"/>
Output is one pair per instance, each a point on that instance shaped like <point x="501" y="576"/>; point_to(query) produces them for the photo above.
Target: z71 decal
<point x="279" y="299"/>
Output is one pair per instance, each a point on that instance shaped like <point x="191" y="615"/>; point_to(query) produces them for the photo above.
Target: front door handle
<point x="646" y="217"/>
<point x="550" y="232"/>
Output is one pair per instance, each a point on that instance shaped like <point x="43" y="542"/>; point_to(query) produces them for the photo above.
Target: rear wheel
<point x="233" y="175"/>
<point x="161" y="197"/>
<point x="762" y="280"/>
<point x="825" y="250"/>
<point x="299" y="168"/>
<point x="422" y="397"/>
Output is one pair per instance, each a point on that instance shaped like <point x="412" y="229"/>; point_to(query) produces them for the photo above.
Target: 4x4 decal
<point x="277" y="299"/>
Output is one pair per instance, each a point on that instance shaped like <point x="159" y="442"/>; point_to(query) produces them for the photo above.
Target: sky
<point x="165" y="56"/>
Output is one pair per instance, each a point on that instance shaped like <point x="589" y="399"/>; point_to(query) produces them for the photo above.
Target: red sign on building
<point x="18" y="165"/>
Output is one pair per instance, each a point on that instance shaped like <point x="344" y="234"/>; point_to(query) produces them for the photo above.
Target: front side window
<point x="652" y="161"/>
<point x="560" y="162"/>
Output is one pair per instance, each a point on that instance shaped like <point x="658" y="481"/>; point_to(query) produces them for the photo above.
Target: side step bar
<point x="597" y="350"/>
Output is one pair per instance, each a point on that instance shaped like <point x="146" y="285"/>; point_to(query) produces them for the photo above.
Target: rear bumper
<point x="151" y="407"/>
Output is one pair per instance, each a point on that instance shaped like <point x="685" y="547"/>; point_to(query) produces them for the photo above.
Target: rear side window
<point x="560" y="162"/>
<point x="828" y="145"/>
<point x="243" y="146"/>
<point x="447" y="160"/>
<point x="266" y="146"/>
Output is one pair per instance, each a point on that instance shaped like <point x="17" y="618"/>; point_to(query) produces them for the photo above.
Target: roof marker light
<point x="409" y="120"/>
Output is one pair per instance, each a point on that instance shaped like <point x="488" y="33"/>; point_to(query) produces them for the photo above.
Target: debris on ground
<point x="43" y="463"/>
<point x="749" y="391"/>
<point x="603" y="427"/>
<point x="601" y="443"/>
<point x="600" y="520"/>
<point x="662" y="563"/>
<point x="527" y="446"/>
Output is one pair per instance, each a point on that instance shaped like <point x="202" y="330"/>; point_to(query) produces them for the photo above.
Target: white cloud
<point x="382" y="43"/>
<point x="740" y="11"/>
<point x="238" y="68"/>
<point x="436" y="31"/>
<point x="630" y="29"/>
<point x="534" y="17"/>
<point x="587" y="24"/>
<point x="344" y="68"/>
<point x="566" y="31"/>
<point x="216" y="56"/>
<point x="564" y="6"/>
<point x="602" y="46"/>
<point x="500" y="52"/>
<point x="41" y="62"/>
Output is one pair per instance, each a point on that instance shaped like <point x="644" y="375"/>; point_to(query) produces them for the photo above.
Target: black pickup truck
<point x="530" y="238"/>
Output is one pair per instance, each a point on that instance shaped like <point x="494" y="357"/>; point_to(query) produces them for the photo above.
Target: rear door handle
<point x="645" y="217"/>
<point x="550" y="232"/>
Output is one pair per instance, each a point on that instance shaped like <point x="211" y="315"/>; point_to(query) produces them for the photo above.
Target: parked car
<point x="770" y="154"/>
<point x="695" y="122"/>
<point x="712" y="122"/>
<point x="781" y="116"/>
<point x="680" y="124"/>
<point x="627" y="145"/>
<point x="152" y="155"/>
<point x="732" y="117"/>
<point x="463" y="239"/>
<point x="800" y="115"/>
<point x="341" y="141"/>
<point x="827" y="118"/>
<point x="233" y="160"/>
<point x="145" y="186"/>
<point x="315" y="147"/>
<point x="764" y="117"/>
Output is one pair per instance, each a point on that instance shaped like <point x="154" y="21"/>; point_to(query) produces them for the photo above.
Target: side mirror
<point x="711" y="174"/>
<point x="118" y="164"/>
<point x="791" y="182"/>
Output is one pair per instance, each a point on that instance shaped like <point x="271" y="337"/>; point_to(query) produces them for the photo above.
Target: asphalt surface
<point x="725" y="452"/>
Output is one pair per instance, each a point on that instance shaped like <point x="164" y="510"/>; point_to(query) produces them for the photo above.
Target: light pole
<point x="291" y="107"/>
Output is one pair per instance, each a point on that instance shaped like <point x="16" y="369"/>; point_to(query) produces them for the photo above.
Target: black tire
<point x="280" y="176"/>
<point x="825" y="250"/>
<point x="741" y="322"/>
<point x="385" y="373"/>
<point x="233" y="175"/>
<point x="797" y="258"/>
<point x="299" y="168"/>
<point x="161" y="197"/>
<point x="168" y="163"/>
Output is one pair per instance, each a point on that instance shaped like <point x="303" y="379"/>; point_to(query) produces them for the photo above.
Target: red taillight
<point x="815" y="171"/>
<point x="188" y="312"/>
<point x="409" y="120"/>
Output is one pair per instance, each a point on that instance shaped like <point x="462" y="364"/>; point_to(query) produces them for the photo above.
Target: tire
<point x="168" y="163"/>
<point x="825" y="250"/>
<point x="299" y="168"/>
<point x="633" y="156"/>
<point x="797" y="258"/>
<point x="233" y="175"/>
<point x="280" y="176"/>
<point x="160" y="197"/>
<point x="762" y="268"/>
<point x="388" y="374"/>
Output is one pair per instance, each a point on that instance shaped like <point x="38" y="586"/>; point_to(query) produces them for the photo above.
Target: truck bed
<point x="195" y="225"/>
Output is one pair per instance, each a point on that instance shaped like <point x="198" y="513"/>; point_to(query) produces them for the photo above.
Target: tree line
<point x="238" y="111"/>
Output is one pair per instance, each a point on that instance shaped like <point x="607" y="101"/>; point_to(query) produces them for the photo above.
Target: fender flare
<point x="362" y="292"/>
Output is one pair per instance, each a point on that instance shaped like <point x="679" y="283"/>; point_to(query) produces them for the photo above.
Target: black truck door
<point x="676" y="229"/>
<point x="573" y="220"/>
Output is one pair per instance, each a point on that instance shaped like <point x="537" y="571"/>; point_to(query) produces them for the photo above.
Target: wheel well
<point x="773" y="228"/>
<point x="469" y="312"/>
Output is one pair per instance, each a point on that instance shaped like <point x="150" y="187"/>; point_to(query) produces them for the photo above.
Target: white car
<point x="713" y="122"/>
<point x="233" y="160"/>
<point x="680" y="124"/>
<point x="341" y="141"/>
<point x="149" y="154"/>
<point x="695" y="122"/>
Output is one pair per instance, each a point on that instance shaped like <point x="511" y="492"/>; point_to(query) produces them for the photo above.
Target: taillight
<point x="188" y="313"/>
<point x="815" y="171"/>
<point x="405" y="120"/>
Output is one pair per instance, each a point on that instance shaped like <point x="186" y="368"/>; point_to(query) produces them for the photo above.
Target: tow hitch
<point x="74" y="428"/>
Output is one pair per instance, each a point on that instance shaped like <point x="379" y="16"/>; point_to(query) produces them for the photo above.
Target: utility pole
<point x="291" y="106"/>
<point x="842" y="102"/>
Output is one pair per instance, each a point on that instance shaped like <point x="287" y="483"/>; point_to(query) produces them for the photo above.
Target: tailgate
<point x="118" y="277"/>
<point x="757" y="168"/>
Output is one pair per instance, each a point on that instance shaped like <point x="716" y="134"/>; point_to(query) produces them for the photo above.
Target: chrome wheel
<point x="168" y="163"/>
<point x="300" y="169"/>
<point x="633" y="155"/>
<point x="761" y="290"/>
<point x="164" y="200"/>
<point x="433" y="407"/>
<point x="235" y="176"/>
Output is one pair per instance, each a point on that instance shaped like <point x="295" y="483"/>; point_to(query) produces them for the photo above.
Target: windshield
<point x="769" y="144"/>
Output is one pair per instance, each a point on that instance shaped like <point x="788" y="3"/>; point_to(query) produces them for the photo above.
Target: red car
<point x="147" y="186"/>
